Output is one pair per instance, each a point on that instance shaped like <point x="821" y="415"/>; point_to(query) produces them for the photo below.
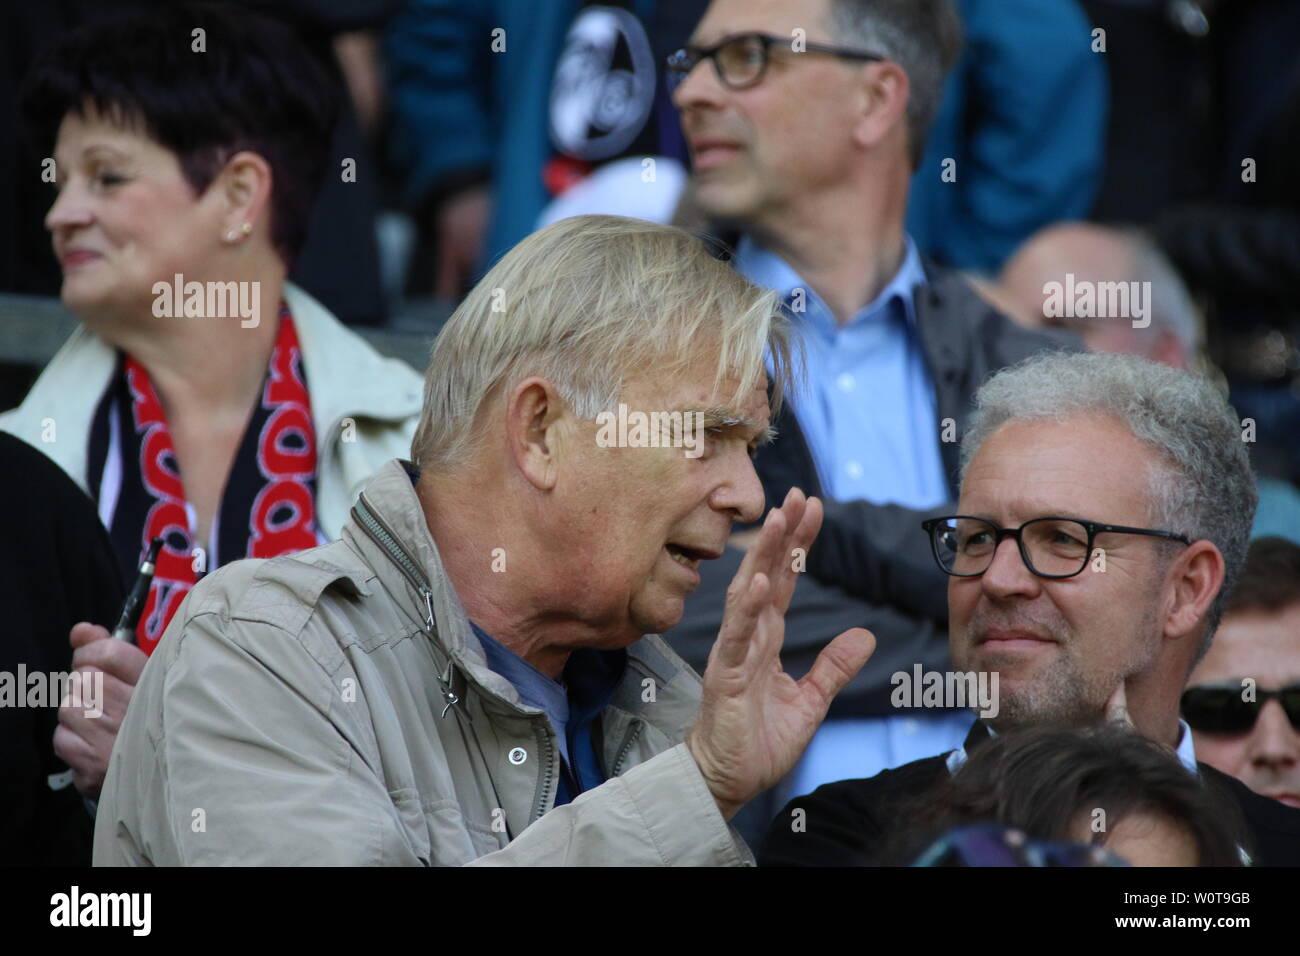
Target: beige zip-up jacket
<point x="364" y="407"/>
<point x="334" y="707"/>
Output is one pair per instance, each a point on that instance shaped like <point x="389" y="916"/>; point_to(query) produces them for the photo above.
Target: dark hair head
<point x="1043" y="780"/>
<point x="1270" y="578"/>
<point x="922" y="36"/>
<point x="251" y="86"/>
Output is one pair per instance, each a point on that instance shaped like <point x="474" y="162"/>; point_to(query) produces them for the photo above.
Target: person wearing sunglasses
<point x="1243" y="699"/>
<point x="1105" y="510"/>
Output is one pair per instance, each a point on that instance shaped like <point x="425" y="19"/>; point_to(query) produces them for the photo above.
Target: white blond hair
<point x="585" y="304"/>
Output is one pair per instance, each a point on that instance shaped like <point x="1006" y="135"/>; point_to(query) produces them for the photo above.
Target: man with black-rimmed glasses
<point x="806" y="121"/>
<point x="1105" y="508"/>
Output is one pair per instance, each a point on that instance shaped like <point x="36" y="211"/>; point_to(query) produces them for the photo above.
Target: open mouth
<point x="686" y="557"/>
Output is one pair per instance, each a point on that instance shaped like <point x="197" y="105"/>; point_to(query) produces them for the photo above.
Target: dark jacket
<point x="56" y="568"/>
<point x="871" y="564"/>
<point x="849" y="822"/>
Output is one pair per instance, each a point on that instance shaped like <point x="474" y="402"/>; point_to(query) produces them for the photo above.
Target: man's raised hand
<point x="755" y="720"/>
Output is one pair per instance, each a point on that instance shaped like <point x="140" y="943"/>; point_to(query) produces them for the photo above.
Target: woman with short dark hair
<point x="206" y="400"/>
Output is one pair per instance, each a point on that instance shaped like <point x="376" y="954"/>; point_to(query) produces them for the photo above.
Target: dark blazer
<point x="848" y="823"/>
<point x="56" y="568"/>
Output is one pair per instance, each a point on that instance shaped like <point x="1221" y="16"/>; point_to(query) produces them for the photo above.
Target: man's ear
<point x="882" y="103"/>
<point x="535" y="420"/>
<point x="1196" y="577"/>
<point x="243" y="187"/>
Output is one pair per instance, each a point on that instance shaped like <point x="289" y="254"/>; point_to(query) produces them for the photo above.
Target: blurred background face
<point x="125" y="217"/>
<point x="1090" y="253"/>
<point x="636" y="522"/>
<point x="1264" y="646"/>
<point x="756" y="151"/>
<point x="1060" y="646"/>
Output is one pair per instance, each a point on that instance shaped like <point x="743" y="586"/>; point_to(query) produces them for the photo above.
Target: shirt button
<point x="910" y="726"/>
<point x="845" y="381"/>
<point x="517" y="756"/>
<point x="854" y="469"/>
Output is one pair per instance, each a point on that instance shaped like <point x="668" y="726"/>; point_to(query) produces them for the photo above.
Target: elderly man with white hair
<point x="470" y="674"/>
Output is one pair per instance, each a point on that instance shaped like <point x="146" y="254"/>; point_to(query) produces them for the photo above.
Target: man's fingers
<point x="753" y="561"/>
<point x="838" y="663"/>
<point x="800" y="539"/>
<point x="740" y="622"/>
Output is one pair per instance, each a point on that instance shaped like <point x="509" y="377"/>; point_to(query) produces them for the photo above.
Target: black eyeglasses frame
<point x="1093" y="528"/>
<point x="681" y="62"/>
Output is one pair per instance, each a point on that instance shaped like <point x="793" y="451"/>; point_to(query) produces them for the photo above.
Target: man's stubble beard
<point x="1062" y="692"/>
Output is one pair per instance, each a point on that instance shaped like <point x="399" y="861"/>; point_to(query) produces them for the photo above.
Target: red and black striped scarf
<point x="268" y="504"/>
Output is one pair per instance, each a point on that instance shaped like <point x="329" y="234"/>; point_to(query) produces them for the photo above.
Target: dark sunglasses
<point x="1220" y="710"/>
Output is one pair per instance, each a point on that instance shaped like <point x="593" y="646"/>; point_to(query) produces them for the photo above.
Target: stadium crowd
<point x="983" y="548"/>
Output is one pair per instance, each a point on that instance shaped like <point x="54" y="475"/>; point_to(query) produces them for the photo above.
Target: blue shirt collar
<point x="765" y="268"/>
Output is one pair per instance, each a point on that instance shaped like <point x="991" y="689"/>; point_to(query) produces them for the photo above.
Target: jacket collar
<point x="391" y="500"/>
<point x="388" y="528"/>
<point x="980" y="734"/>
<point x="360" y="379"/>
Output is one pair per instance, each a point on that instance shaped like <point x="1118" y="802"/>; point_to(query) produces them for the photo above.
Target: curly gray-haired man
<point x="1106" y="502"/>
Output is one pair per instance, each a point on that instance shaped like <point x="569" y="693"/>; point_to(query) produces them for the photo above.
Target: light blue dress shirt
<point x="867" y="409"/>
<point x="867" y="406"/>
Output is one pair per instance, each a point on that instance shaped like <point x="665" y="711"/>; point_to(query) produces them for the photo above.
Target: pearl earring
<point x="232" y="236"/>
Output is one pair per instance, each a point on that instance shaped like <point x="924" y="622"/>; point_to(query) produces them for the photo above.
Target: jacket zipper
<point x="548" y="773"/>
<point x="378" y="531"/>
<point x="633" y="731"/>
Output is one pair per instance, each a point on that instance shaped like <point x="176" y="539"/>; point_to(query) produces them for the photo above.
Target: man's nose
<point x="1274" y="743"/>
<point x="1008" y="575"/>
<point x="741" y="492"/>
<point x="699" y="88"/>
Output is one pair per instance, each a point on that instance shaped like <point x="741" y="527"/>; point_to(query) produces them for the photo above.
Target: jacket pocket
<point x="410" y="814"/>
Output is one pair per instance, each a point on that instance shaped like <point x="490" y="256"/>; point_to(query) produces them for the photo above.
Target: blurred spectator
<point x="339" y="261"/>
<point x="223" y="410"/>
<point x="499" y="107"/>
<point x="57" y="568"/>
<point x="1104" y="787"/>
<point x="1020" y="131"/>
<point x="1092" y="254"/>
<point x="1204" y="139"/>
<point x="895" y="346"/>
<point x="1072" y="255"/>
<point x="1243" y="699"/>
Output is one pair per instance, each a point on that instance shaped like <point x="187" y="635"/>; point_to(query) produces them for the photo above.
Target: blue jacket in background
<point x="1024" y="116"/>
<point x="463" y="114"/>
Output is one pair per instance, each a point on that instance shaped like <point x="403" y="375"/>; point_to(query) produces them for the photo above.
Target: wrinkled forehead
<point x="696" y="389"/>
